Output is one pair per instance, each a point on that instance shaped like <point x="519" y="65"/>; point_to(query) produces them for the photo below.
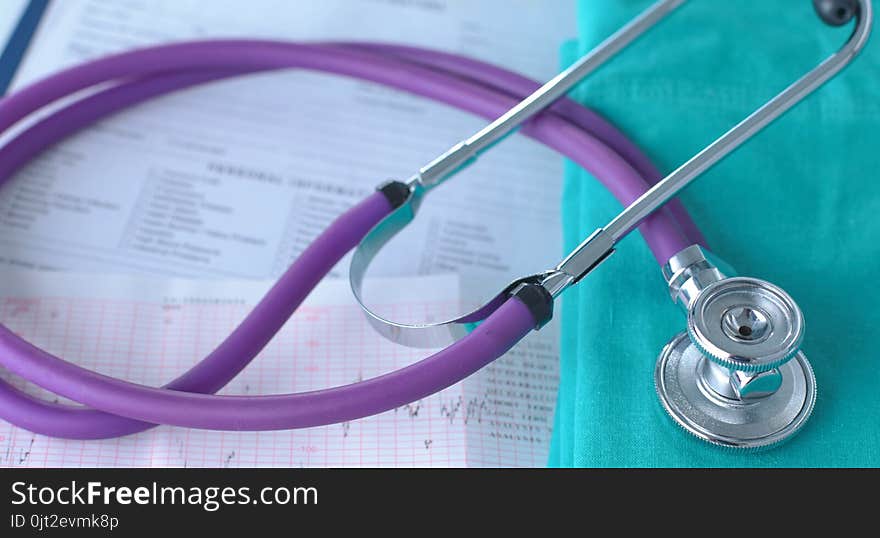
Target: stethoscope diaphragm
<point x="689" y="393"/>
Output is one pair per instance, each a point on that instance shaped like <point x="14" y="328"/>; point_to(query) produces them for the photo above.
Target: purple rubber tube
<point x="605" y="164"/>
<point x="229" y="358"/>
<point x="58" y="126"/>
<point x="501" y="80"/>
<point x="491" y="339"/>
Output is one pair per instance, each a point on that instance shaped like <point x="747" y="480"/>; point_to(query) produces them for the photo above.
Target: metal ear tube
<point x="736" y="377"/>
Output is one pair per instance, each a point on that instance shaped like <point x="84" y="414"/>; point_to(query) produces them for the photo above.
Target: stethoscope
<point x="736" y="377"/>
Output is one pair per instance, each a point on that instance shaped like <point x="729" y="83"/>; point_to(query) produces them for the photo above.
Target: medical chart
<point x="234" y="178"/>
<point x="149" y="330"/>
<point x="231" y="181"/>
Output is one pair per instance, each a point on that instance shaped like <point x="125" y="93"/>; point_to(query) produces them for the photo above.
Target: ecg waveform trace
<point x="324" y="344"/>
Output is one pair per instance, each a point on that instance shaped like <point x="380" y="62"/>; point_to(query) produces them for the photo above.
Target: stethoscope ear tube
<point x="641" y="205"/>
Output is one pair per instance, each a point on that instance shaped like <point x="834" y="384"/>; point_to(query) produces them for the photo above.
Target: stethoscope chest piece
<point x="688" y="386"/>
<point x="737" y="377"/>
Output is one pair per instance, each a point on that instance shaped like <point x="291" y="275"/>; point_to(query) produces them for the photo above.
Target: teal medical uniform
<point x="798" y="205"/>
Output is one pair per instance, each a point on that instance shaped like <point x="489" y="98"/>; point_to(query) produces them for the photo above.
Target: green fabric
<point x="797" y="206"/>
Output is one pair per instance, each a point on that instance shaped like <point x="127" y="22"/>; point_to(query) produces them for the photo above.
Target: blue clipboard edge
<point x="19" y="41"/>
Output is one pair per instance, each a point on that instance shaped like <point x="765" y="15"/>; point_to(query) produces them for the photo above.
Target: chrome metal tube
<point x="660" y="193"/>
<point x="464" y="152"/>
<point x="600" y="244"/>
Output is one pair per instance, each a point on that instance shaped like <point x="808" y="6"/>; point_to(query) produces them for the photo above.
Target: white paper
<point x="232" y="180"/>
<point x="235" y="178"/>
<point x="151" y="330"/>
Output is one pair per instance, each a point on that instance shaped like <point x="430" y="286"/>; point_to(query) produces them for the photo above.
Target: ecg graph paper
<point x="150" y="331"/>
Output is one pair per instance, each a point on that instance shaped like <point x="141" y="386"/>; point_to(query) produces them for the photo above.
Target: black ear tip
<point x="836" y="12"/>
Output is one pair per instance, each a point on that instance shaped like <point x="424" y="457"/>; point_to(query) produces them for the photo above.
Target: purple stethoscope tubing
<point x="118" y="407"/>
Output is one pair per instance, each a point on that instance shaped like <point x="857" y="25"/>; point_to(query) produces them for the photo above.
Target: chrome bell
<point x="736" y="377"/>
